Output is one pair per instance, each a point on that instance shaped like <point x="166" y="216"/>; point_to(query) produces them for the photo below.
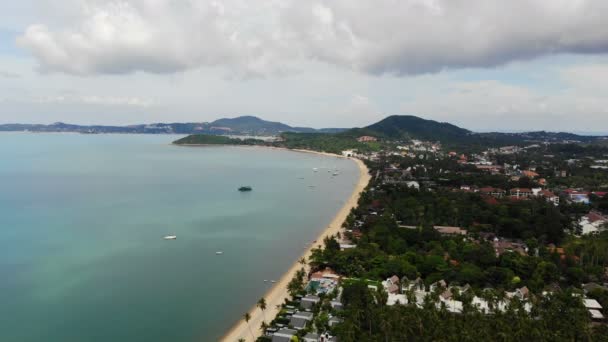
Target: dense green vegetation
<point x="333" y="143"/>
<point x="206" y="139"/>
<point x="560" y="317"/>
<point x="385" y="249"/>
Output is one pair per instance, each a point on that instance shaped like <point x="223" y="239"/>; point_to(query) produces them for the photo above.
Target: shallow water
<point x="82" y="219"/>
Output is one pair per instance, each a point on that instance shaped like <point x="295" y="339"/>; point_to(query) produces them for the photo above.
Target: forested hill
<point x="413" y="127"/>
<point x="405" y="127"/>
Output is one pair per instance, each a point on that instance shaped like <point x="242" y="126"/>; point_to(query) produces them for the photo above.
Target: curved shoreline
<point x="278" y="293"/>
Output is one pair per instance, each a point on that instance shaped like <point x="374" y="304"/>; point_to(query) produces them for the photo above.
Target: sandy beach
<point x="278" y="293"/>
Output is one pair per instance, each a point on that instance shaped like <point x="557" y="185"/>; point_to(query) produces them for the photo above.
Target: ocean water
<point x="82" y="219"/>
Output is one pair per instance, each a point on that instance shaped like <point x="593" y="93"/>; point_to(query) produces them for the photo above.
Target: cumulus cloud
<point x="262" y="37"/>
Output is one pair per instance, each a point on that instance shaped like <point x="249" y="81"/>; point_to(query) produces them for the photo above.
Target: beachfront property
<point x="309" y="301"/>
<point x="283" y="335"/>
<point x="300" y="319"/>
<point x="324" y="281"/>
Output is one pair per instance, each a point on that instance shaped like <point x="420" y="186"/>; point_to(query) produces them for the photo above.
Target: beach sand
<point x="278" y="293"/>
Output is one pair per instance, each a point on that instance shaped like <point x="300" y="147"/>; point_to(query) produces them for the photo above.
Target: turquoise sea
<point x="82" y="219"/>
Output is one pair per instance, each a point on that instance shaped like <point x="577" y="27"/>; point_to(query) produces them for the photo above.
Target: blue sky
<point x="484" y="65"/>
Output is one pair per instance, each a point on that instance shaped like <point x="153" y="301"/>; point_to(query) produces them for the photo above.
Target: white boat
<point x="170" y="237"/>
<point x="219" y="253"/>
<point x="273" y="281"/>
<point x="335" y="173"/>
<point x="265" y="280"/>
<point x="315" y="169"/>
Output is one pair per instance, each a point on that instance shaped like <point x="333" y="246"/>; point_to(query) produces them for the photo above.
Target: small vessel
<point x="273" y="281"/>
<point x="335" y="173"/>
<point x="245" y="188"/>
<point x="314" y="169"/>
<point x="265" y="280"/>
<point x="170" y="237"/>
<point x="219" y="253"/>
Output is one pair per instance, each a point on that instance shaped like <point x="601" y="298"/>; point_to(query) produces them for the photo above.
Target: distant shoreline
<point x="278" y="293"/>
<point x="326" y="154"/>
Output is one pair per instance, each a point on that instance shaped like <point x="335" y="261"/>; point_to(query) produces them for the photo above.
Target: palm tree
<point x="263" y="327"/>
<point x="302" y="261"/>
<point x="247" y="318"/>
<point x="262" y="305"/>
<point x="241" y="340"/>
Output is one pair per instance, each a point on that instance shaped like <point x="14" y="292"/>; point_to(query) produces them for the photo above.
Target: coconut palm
<point x="262" y="305"/>
<point x="247" y="317"/>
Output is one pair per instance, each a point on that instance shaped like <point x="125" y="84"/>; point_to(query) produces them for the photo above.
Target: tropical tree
<point x="262" y="305"/>
<point x="247" y="317"/>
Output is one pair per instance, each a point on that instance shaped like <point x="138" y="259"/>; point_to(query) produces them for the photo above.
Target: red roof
<point x="547" y="193"/>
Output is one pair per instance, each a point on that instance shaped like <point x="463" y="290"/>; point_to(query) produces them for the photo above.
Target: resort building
<point x="300" y="319"/>
<point x="309" y="301"/>
<point x="283" y="335"/>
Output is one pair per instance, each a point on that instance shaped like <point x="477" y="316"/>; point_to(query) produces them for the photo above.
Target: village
<point x="496" y="177"/>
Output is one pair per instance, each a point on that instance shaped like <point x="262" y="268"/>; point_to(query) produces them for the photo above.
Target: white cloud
<point x="494" y="105"/>
<point x="263" y="37"/>
<point x="91" y="100"/>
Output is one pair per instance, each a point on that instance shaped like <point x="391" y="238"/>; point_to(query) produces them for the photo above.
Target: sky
<point x="486" y="65"/>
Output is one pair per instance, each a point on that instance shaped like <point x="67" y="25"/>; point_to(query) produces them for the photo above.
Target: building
<point x="444" y="230"/>
<point x="366" y="138"/>
<point x="519" y="193"/>
<point x="494" y="192"/>
<point x="577" y="196"/>
<point x="592" y="222"/>
<point x="300" y="319"/>
<point x="594" y="308"/>
<point x="333" y="321"/>
<point x="391" y="285"/>
<point x="549" y="196"/>
<point x="283" y="335"/>
<point x="336" y="305"/>
<point x="349" y="153"/>
<point x="529" y="174"/>
<point x="310" y="337"/>
<point x="502" y="246"/>
<point x="309" y="301"/>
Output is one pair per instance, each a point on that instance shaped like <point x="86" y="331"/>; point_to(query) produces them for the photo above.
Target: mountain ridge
<point x="394" y="127"/>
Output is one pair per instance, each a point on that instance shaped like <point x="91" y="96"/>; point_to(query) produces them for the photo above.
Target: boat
<point x="273" y="281"/>
<point x="314" y="169"/>
<point x="245" y="188"/>
<point x="335" y="173"/>
<point x="170" y="237"/>
<point x="219" y="253"/>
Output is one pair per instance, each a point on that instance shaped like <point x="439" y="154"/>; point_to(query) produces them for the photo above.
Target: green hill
<point x="413" y="127"/>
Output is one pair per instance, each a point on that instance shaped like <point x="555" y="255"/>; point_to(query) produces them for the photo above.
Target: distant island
<point x="242" y="125"/>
